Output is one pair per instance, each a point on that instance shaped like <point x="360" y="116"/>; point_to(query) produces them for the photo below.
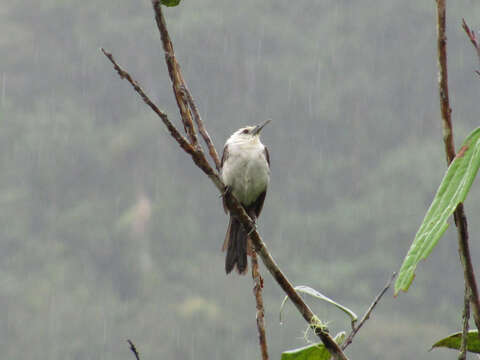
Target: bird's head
<point x="249" y="132"/>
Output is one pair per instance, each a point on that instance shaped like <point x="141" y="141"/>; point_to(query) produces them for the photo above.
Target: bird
<point x="245" y="171"/>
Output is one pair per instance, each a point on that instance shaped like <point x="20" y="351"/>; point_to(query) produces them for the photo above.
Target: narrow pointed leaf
<point x="452" y="191"/>
<point x="313" y="351"/>
<point x="454" y="341"/>
<point x="316" y="294"/>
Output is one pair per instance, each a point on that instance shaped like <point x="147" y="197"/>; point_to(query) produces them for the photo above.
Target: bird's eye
<point x="245" y="131"/>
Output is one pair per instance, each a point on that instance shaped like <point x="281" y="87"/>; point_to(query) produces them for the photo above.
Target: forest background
<point x="109" y="233"/>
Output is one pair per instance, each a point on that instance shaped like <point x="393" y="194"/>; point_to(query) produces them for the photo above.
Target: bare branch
<point x="233" y="204"/>
<point x="175" y="73"/>
<point x="365" y="317"/>
<point x="257" y="291"/>
<point x="459" y="214"/>
<point x="473" y="39"/>
<point x="173" y="131"/>
<point x="134" y="349"/>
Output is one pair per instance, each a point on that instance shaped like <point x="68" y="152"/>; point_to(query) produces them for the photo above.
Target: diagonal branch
<point x="173" y="130"/>
<point x="459" y="214"/>
<point x="365" y="317"/>
<point x="237" y="209"/>
<point x="233" y="204"/>
<point x="196" y="154"/>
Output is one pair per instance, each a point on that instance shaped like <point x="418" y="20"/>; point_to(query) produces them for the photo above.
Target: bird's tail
<point x="236" y="244"/>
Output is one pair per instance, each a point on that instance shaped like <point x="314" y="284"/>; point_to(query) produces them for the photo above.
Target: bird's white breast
<point x="246" y="170"/>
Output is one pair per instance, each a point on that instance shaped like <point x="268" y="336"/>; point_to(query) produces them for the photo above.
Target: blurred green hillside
<point x="108" y="232"/>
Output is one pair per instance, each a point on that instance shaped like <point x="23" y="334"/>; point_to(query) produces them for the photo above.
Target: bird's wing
<point x="267" y="155"/>
<point x="224" y="158"/>
<point x="257" y="205"/>
<point x="224" y="155"/>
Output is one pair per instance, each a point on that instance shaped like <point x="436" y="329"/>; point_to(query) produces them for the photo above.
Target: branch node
<point x="366" y="316"/>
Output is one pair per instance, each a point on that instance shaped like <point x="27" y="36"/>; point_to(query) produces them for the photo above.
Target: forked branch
<point x="233" y="204"/>
<point x="365" y="317"/>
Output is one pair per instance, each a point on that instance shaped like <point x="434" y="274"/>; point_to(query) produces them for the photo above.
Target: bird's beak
<point x="259" y="127"/>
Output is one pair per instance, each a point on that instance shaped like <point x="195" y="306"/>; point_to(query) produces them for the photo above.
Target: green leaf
<point x="452" y="191"/>
<point x="454" y="341"/>
<point x="170" y="2"/>
<point x="313" y="351"/>
<point x="312" y="292"/>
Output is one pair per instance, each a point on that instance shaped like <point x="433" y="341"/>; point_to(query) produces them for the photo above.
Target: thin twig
<point x="466" y="317"/>
<point x="197" y="155"/>
<point x="459" y="214"/>
<point x="134" y="349"/>
<point x="173" y="131"/>
<point x="365" y="317"/>
<point x="174" y="72"/>
<point x="473" y="39"/>
<point x="201" y="128"/>
<point x="257" y="291"/>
